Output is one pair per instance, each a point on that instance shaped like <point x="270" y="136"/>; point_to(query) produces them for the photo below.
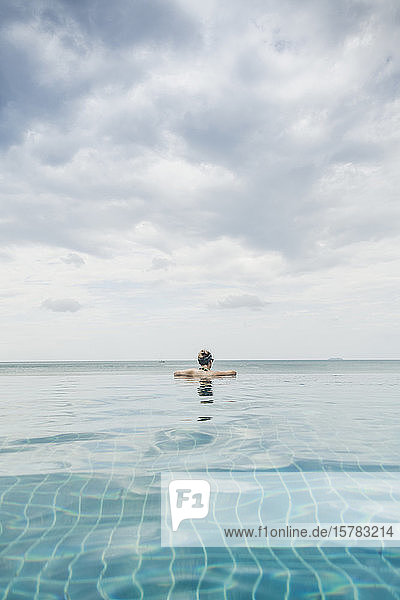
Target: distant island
<point x="335" y="358"/>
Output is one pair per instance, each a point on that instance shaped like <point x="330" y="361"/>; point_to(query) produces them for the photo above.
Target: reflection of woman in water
<point x="205" y="389"/>
<point x="204" y="371"/>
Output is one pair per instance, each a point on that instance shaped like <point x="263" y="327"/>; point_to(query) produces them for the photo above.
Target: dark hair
<point x="204" y="357"/>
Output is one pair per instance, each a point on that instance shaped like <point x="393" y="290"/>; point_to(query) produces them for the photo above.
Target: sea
<point x="83" y="447"/>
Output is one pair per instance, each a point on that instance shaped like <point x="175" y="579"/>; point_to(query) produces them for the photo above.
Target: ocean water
<point x="83" y="447"/>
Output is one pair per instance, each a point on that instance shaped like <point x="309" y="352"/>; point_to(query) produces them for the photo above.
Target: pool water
<point x="83" y="446"/>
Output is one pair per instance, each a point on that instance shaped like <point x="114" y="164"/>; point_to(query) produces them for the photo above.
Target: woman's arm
<point x="187" y="373"/>
<point x="224" y="373"/>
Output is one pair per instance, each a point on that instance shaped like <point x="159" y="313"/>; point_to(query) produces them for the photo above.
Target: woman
<point x="205" y="360"/>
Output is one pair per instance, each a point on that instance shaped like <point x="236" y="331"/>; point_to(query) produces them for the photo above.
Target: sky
<point x="177" y="174"/>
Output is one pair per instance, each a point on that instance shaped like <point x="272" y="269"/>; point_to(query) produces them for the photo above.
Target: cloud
<point x="5" y="256"/>
<point x="241" y="301"/>
<point x="160" y="263"/>
<point x="90" y="40"/>
<point x="73" y="259"/>
<point x="62" y="305"/>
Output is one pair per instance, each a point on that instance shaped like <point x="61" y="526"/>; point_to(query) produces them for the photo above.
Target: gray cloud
<point x="62" y="305"/>
<point x="9" y="294"/>
<point x="73" y="259"/>
<point x="131" y="22"/>
<point x="5" y="256"/>
<point x="241" y="301"/>
<point x="32" y="37"/>
<point x="160" y="263"/>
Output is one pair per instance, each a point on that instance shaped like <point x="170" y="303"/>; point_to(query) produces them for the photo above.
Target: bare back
<point x="204" y="373"/>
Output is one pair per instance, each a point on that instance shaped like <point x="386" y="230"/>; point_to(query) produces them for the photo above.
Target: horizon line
<point x="162" y="360"/>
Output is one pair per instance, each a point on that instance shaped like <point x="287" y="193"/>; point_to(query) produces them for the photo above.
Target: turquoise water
<point x="82" y="447"/>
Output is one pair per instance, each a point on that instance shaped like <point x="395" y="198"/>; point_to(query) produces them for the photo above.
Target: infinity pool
<point x="83" y="447"/>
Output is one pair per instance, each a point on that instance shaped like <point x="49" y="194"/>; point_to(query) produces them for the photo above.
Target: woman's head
<point x="204" y="357"/>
